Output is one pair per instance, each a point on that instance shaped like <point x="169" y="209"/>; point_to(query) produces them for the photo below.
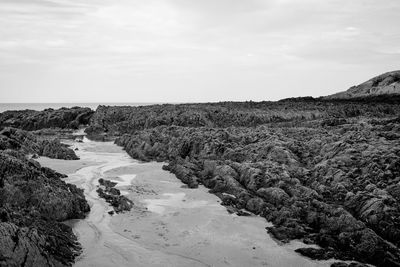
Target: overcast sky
<point x="192" y="50"/>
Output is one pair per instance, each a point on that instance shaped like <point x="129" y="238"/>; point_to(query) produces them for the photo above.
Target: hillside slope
<point x="384" y="84"/>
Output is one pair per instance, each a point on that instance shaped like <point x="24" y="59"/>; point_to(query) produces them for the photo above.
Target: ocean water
<point x="42" y="106"/>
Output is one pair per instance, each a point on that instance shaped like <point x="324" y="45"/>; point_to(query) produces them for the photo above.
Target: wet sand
<point x="191" y="222"/>
<point x="64" y="166"/>
<point x="170" y="225"/>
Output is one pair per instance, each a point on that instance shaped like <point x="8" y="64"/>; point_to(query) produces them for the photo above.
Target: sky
<point x="192" y="50"/>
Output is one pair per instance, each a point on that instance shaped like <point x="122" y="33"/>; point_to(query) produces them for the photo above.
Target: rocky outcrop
<point x="321" y="170"/>
<point x="56" y="150"/>
<point x="113" y="196"/>
<point x="28" y="143"/>
<point x="30" y="120"/>
<point x="384" y="84"/>
<point x="331" y="180"/>
<point x="328" y="186"/>
<point x="33" y="203"/>
<point x="109" y="122"/>
<point x="32" y="246"/>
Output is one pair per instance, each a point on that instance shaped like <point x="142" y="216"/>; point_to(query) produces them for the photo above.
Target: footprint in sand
<point x="184" y="234"/>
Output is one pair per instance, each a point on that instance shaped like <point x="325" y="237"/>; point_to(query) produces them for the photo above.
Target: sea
<point x="42" y="106"/>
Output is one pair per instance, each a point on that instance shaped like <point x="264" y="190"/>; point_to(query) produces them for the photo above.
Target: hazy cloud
<point x="191" y="50"/>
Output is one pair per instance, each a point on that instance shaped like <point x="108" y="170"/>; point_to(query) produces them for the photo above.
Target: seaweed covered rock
<point x="56" y="150"/>
<point x="273" y="195"/>
<point x="113" y="196"/>
<point x="33" y="203"/>
<point x="43" y="244"/>
<point x="26" y="142"/>
<point x="184" y="171"/>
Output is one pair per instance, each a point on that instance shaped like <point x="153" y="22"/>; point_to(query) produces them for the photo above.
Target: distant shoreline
<point x="42" y="106"/>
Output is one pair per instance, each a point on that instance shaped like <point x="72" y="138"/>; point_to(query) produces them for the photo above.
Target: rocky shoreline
<point x="326" y="172"/>
<point x="325" y="179"/>
<point x="34" y="200"/>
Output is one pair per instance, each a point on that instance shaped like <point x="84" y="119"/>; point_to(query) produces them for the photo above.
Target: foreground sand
<point x="192" y="223"/>
<point x="170" y="225"/>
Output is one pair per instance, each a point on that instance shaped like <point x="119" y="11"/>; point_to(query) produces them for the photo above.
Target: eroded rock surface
<point x="30" y="120"/>
<point x="324" y="172"/>
<point x="33" y="203"/>
<point x="113" y="196"/>
<point x="28" y="143"/>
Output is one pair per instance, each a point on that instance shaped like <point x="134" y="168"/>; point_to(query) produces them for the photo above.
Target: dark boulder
<point x="113" y="196"/>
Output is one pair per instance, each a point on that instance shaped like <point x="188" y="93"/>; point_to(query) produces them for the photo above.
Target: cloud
<point x="223" y="45"/>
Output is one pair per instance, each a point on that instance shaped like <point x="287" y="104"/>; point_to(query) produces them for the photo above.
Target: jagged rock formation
<point x="322" y="171"/>
<point x="16" y="139"/>
<point x="33" y="203"/>
<point x="384" y="84"/>
<point x="31" y="120"/>
<point x="332" y="186"/>
<point x="114" y="121"/>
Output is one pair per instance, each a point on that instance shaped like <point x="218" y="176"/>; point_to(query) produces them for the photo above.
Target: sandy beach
<point x="170" y="225"/>
<point x="64" y="166"/>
